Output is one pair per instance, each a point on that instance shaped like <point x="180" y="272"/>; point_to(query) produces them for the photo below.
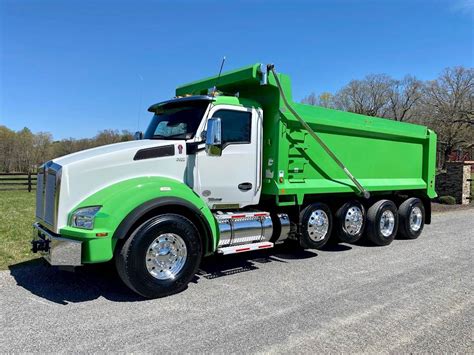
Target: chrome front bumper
<point x="56" y="250"/>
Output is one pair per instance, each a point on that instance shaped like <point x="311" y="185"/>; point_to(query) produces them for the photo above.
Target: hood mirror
<point x="138" y="135"/>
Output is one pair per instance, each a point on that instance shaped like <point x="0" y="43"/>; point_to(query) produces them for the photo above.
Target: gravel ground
<point x="412" y="296"/>
<point x="438" y="207"/>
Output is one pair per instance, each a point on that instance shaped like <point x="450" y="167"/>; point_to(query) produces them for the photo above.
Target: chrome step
<point x="244" y="247"/>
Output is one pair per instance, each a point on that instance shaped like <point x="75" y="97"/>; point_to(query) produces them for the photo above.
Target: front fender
<point x="120" y="200"/>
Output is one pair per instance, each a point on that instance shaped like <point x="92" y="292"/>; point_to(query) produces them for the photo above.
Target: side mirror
<point x="214" y="137"/>
<point x="138" y="135"/>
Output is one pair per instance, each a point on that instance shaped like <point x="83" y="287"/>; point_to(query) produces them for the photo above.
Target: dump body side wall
<point x="383" y="155"/>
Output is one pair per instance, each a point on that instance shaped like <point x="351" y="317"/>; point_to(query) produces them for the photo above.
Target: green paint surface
<point x="384" y="155"/>
<point x="117" y="201"/>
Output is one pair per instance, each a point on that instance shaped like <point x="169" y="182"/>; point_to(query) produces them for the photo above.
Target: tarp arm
<point x="364" y="192"/>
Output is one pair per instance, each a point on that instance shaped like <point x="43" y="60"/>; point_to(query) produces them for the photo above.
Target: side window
<point x="235" y="126"/>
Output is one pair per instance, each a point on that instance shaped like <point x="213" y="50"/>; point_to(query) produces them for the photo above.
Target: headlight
<point x="84" y="217"/>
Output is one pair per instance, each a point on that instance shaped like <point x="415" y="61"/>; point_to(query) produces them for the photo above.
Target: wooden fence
<point x="17" y="181"/>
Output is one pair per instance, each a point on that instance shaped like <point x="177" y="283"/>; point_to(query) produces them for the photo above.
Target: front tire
<point x="316" y="226"/>
<point x="382" y="222"/>
<point x="161" y="256"/>
<point x="412" y="218"/>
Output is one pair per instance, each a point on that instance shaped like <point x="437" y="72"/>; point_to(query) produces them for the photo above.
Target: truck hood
<point x="123" y="149"/>
<point x="86" y="172"/>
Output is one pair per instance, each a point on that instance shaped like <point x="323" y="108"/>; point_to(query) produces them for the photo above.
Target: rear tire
<point x="316" y="226"/>
<point x="382" y="222"/>
<point x="160" y="257"/>
<point x="350" y="222"/>
<point x="411" y="214"/>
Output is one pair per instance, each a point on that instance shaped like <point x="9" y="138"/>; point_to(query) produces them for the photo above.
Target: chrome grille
<point x="40" y="194"/>
<point x="47" y="194"/>
<point x="49" y="198"/>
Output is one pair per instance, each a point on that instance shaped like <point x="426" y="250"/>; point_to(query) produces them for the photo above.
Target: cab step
<point x="244" y="247"/>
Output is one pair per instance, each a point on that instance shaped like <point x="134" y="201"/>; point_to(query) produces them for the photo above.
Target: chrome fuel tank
<point x="238" y="228"/>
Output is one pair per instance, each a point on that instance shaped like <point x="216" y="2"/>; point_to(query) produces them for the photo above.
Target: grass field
<point x="17" y="210"/>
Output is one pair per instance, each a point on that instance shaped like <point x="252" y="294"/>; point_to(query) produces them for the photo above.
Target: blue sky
<point x="75" y="67"/>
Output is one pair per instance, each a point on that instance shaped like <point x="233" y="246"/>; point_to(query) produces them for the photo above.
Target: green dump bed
<point x="383" y="155"/>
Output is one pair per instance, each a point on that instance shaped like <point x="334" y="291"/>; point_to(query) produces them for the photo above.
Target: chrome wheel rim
<point x="353" y="220"/>
<point x="318" y="225"/>
<point x="166" y="256"/>
<point x="416" y="218"/>
<point x="387" y="223"/>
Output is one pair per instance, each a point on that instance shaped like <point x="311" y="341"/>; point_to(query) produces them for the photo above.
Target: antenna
<point x="140" y="100"/>
<point x="214" y="89"/>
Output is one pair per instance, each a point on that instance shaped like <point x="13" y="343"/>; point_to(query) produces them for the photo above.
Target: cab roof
<point x="193" y="98"/>
<point x="217" y="100"/>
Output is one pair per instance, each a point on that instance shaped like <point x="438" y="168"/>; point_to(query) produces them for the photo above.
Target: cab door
<point x="233" y="180"/>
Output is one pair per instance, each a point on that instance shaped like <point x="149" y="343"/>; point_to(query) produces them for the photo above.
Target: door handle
<point x="245" y="186"/>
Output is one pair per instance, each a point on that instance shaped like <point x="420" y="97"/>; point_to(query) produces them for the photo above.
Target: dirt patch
<point x="439" y="208"/>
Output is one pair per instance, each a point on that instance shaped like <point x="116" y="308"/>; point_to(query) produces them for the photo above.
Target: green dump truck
<point x="231" y="165"/>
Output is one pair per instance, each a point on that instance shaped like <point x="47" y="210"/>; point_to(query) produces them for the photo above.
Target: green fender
<point x="124" y="201"/>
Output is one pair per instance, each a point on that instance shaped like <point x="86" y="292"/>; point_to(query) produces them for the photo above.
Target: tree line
<point x="23" y="151"/>
<point x="445" y="104"/>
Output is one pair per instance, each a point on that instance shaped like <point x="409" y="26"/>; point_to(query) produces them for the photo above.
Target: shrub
<point x="447" y="200"/>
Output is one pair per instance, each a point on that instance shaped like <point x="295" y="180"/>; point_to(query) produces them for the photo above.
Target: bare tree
<point x="42" y="144"/>
<point x="7" y="142"/>
<point x="449" y="106"/>
<point x="311" y="99"/>
<point x="325" y="99"/>
<point x="107" y="136"/>
<point x="23" y="151"/>
<point x="404" y="96"/>
<point x="369" y="96"/>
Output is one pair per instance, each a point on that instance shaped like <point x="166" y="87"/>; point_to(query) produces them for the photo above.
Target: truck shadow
<point x="219" y="265"/>
<point x="86" y="283"/>
<point x="91" y="282"/>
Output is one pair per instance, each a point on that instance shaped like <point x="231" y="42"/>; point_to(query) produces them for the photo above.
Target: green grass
<point x="17" y="210"/>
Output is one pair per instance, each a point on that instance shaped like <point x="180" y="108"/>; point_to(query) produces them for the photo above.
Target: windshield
<point x="176" y="121"/>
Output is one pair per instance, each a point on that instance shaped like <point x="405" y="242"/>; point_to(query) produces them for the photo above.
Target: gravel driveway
<point x="412" y="296"/>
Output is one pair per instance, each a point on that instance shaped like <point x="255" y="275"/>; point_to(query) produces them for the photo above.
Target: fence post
<point x="29" y="181"/>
